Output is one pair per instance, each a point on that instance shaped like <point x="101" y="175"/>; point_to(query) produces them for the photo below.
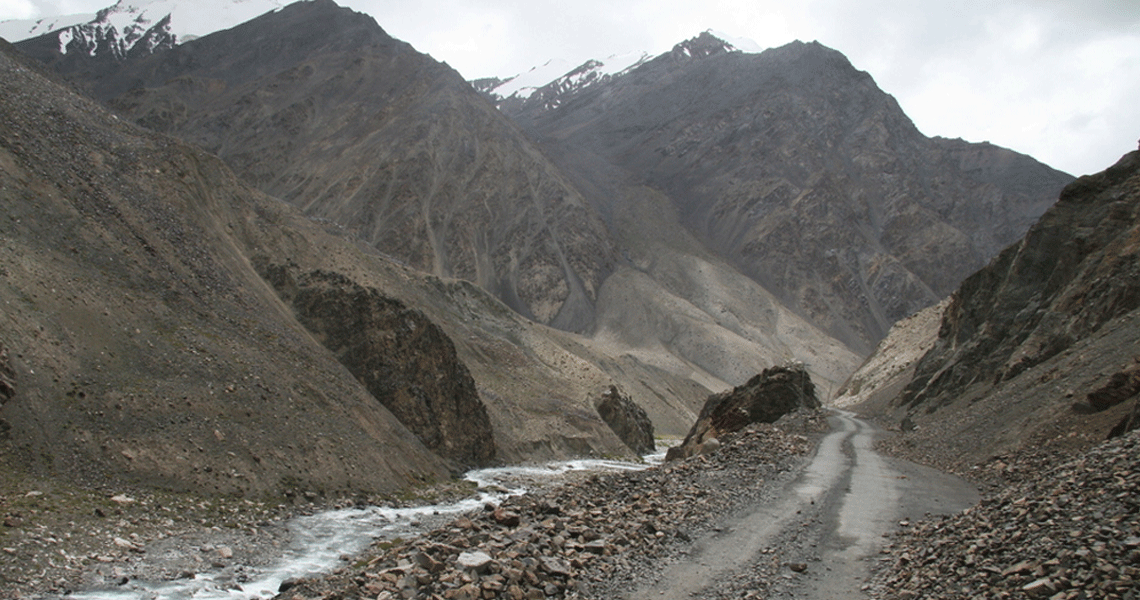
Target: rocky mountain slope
<point x="142" y="344"/>
<point x="1036" y="349"/>
<point x="317" y="105"/>
<point x="355" y="127"/>
<point x="794" y="167"/>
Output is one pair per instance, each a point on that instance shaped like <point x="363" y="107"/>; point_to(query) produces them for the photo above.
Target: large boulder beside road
<point x="766" y="397"/>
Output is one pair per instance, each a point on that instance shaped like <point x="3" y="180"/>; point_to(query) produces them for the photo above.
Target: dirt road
<point x="826" y="529"/>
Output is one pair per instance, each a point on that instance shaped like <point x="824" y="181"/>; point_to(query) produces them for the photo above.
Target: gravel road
<point x="820" y="538"/>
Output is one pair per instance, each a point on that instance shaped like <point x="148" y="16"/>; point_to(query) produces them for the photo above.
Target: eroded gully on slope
<point x="831" y="521"/>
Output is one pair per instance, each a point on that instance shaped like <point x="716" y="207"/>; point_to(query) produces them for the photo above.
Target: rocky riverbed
<point x="598" y="537"/>
<point x="1048" y="528"/>
<point x="56" y="538"/>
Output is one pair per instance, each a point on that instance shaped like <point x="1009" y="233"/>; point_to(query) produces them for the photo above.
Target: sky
<point x="1056" y="79"/>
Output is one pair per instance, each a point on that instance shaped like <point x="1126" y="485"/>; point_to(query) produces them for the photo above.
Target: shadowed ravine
<point x="836" y="512"/>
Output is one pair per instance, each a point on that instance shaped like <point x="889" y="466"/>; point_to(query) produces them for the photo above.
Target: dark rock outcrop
<point x="1077" y="269"/>
<point x="764" y="399"/>
<point x="628" y="420"/>
<point x="399" y="355"/>
<point x="7" y="377"/>
<point x="1123" y="385"/>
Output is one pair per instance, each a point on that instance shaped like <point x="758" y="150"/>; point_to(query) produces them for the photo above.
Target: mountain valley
<point x="292" y="262"/>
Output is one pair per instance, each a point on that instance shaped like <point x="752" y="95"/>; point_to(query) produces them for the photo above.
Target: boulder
<point x="764" y="399"/>
<point x="628" y="420"/>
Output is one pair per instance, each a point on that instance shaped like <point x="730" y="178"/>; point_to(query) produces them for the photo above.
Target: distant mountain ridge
<point x="802" y="173"/>
<point x="316" y="104"/>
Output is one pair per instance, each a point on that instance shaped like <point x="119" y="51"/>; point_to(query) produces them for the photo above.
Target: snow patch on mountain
<point x="558" y="74"/>
<point x="742" y="44"/>
<point x="15" y="30"/>
<point x="554" y="81"/>
<point x="524" y="84"/>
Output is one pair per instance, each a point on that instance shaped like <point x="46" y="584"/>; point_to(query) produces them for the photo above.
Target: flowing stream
<point x="318" y="542"/>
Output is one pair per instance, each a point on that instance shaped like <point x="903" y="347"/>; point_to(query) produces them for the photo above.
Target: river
<point x="319" y="542"/>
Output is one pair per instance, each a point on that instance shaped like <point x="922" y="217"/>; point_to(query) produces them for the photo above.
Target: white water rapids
<point x="318" y="542"/>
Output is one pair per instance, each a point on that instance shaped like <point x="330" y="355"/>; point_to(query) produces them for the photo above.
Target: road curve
<point x="836" y="512"/>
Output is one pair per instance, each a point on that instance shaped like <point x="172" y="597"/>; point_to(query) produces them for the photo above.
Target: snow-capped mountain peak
<point x="121" y="27"/>
<point x="556" y="77"/>
<point x="554" y="82"/>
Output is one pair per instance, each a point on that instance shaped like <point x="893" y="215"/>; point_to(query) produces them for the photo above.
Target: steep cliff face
<point x="404" y="360"/>
<point x="317" y="105"/>
<point x="1038" y="348"/>
<point x="794" y="166"/>
<point x="1076" y="270"/>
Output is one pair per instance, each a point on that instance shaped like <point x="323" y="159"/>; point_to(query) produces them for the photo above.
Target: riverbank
<point x="57" y="538"/>
<point x="609" y="531"/>
<point x="598" y="537"/>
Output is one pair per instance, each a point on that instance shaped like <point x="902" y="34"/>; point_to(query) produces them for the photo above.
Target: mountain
<point x="546" y="85"/>
<point x="315" y="104"/>
<point x="1036" y="349"/>
<point x="800" y="172"/>
<point x="139" y="341"/>
<point x="167" y="325"/>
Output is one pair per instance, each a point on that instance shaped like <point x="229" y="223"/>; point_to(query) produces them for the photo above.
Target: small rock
<point x="474" y="561"/>
<point x="1040" y="587"/>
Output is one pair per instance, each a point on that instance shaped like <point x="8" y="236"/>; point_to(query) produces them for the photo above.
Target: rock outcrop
<point x="764" y="399"/>
<point x="628" y="420"/>
<point x="1122" y="386"/>
<point x="7" y="377"/>
<point x="1037" y="349"/>
<point x="404" y="360"/>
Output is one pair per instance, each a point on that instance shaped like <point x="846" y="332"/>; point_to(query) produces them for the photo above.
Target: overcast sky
<point x="1056" y="79"/>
